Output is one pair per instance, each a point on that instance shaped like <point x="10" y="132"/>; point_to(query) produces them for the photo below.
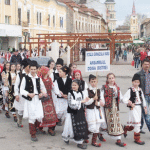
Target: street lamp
<point x="25" y="34"/>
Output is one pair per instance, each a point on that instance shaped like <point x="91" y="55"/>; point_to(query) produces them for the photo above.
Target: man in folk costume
<point x="32" y="88"/>
<point x="19" y="100"/>
<point x="134" y="97"/>
<point x="93" y="113"/>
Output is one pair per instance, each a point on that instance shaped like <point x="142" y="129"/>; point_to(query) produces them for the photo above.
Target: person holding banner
<point x="94" y="116"/>
<point x="112" y="97"/>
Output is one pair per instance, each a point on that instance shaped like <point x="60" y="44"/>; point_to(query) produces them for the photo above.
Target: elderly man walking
<point x="145" y="85"/>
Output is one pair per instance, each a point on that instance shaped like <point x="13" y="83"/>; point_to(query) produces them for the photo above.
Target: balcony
<point x="10" y="30"/>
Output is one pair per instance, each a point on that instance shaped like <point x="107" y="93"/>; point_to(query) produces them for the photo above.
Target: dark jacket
<point x="16" y="59"/>
<point x="142" y="77"/>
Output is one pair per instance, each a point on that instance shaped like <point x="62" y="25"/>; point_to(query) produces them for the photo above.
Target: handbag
<point x="43" y="99"/>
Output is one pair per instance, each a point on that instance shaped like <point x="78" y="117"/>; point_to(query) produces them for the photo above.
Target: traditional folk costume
<point x="50" y="117"/>
<point x="136" y="96"/>
<point x="19" y="105"/>
<point x="94" y="115"/>
<point x="63" y="85"/>
<point x="112" y="97"/>
<point x="75" y="128"/>
<point x="11" y="97"/>
<point x="1" y="94"/>
<point x="33" y="109"/>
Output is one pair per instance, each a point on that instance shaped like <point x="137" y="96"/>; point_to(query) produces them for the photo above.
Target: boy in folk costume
<point x="32" y="88"/>
<point x="19" y="100"/>
<point x="135" y="99"/>
<point x="94" y="116"/>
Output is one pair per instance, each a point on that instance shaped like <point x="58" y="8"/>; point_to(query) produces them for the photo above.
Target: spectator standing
<point x="143" y="55"/>
<point x="16" y="58"/>
<point x="125" y="54"/>
<point x="117" y="54"/>
<point x="136" y="58"/>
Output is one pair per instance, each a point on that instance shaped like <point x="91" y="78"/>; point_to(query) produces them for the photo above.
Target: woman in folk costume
<point x="72" y="68"/>
<point x="94" y="115"/>
<point x="134" y="98"/>
<point x="5" y="85"/>
<point x="50" y="117"/>
<point x="11" y="83"/>
<point x="75" y="128"/>
<point x="63" y="86"/>
<point x="18" y="68"/>
<point x="19" y="100"/>
<point x="112" y="97"/>
<point x="77" y="75"/>
<point x="32" y="89"/>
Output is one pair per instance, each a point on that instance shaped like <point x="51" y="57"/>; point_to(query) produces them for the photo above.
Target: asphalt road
<point x="14" y="138"/>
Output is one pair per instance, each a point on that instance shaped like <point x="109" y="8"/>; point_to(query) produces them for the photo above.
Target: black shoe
<point x="7" y="115"/>
<point x="34" y="139"/>
<point x="140" y="142"/>
<point x="67" y="142"/>
<point x="15" y="119"/>
<point x="82" y="146"/>
<point x="59" y="123"/>
<point x="142" y="132"/>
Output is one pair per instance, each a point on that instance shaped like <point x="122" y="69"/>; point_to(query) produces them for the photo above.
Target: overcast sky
<point x="124" y="7"/>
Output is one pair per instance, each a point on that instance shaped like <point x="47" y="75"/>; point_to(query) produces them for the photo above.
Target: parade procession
<point x="74" y="74"/>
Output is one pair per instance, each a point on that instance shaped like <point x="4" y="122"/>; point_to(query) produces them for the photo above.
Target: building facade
<point x="134" y="26"/>
<point x="23" y="19"/>
<point x="110" y="4"/>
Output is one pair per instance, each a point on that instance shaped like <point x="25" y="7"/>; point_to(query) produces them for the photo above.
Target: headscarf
<point x="44" y="70"/>
<point x="74" y="72"/>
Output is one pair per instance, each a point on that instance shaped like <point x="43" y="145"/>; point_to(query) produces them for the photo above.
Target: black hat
<point x="91" y="76"/>
<point x="60" y="61"/>
<point x="77" y="81"/>
<point x="65" y="69"/>
<point x="136" y="77"/>
<point x="34" y="63"/>
<point x="25" y="62"/>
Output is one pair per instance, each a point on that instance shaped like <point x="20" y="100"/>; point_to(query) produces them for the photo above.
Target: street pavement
<point x="14" y="138"/>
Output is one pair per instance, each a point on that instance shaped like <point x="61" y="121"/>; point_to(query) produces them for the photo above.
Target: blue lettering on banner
<point x="97" y="62"/>
<point x="102" y="67"/>
<point x="91" y="68"/>
<point x="89" y="54"/>
<point x="99" y="54"/>
<point x="107" y="53"/>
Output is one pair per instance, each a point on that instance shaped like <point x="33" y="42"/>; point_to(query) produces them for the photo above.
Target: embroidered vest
<point x="91" y="94"/>
<point x="65" y="88"/>
<point x="108" y="95"/>
<point x="70" y="110"/>
<point x="30" y="87"/>
<point x="21" y="75"/>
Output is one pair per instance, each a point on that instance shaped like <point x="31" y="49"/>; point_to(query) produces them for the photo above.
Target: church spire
<point x="133" y="10"/>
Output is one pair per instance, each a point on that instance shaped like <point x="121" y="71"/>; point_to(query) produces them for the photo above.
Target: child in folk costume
<point x="72" y="68"/>
<point x="5" y="85"/>
<point x="11" y="83"/>
<point x="75" y="127"/>
<point x="63" y="86"/>
<point x="77" y="75"/>
<point x="32" y="89"/>
<point x="112" y="97"/>
<point x="94" y="116"/>
<point x="50" y="117"/>
<point x="19" y="100"/>
<point x="134" y="97"/>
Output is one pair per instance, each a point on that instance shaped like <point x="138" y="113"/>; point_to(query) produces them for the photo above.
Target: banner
<point x="97" y="61"/>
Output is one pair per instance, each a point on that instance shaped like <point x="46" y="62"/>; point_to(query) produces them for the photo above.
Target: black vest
<point x="21" y="75"/>
<point x="133" y="97"/>
<point x="9" y="79"/>
<point x="56" y="76"/>
<point x="82" y="85"/>
<point x="65" y="88"/>
<point x="70" y="110"/>
<point x="30" y="87"/>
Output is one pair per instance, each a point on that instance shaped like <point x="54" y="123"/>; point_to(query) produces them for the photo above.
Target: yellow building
<point x="20" y="18"/>
<point x="134" y="28"/>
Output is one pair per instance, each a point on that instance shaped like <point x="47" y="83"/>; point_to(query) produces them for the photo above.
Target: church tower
<point x="134" y="24"/>
<point x="110" y="5"/>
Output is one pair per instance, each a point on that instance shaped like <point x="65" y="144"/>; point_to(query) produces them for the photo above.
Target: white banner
<point x="97" y="61"/>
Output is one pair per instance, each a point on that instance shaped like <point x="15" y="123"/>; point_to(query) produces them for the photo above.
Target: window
<point x="91" y="27"/>
<point x="49" y="20"/>
<point x="76" y="25"/>
<point x="7" y="2"/>
<point x="39" y="18"/>
<point x="61" y="22"/>
<point x="53" y="21"/>
<point x="28" y="16"/>
<point x="133" y="21"/>
<point x="79" y="25"/>
<point x="7" y="19"/>
<point x="19" y="16"/>
<point x="82" y="26"/>
<point x="28" y="37"/>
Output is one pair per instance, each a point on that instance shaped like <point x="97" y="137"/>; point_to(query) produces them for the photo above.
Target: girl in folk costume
<point x="112" y="97"/>
<point x="32" y="89"/>
<point x="94" y="115"/>
<point x="75" y="127"/>
<point x="11" y="83"/>
<point x="72" y="68"/>
<point x="134" y="98"/>
<point x="18" y="68"/>
<point x="77" y="75"/>
<point x="19" y="100"/>
<point x="51" y="65"/>
<point x="50" y="117"/>
<point x="5" y="85"/>
<point x="63" y="86"/>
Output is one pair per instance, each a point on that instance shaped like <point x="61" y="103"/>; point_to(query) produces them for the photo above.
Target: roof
<point x="146" y="20"/>
<point x="123" y="27"/>
<point x="109" y="1"/>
